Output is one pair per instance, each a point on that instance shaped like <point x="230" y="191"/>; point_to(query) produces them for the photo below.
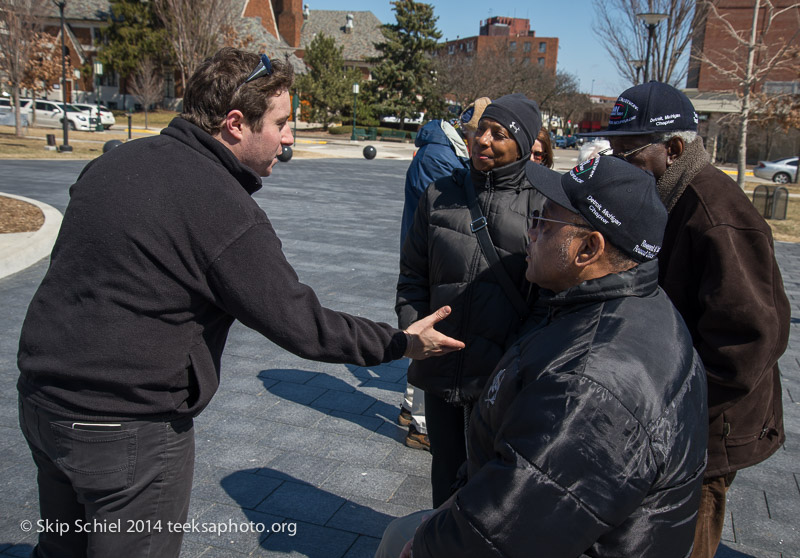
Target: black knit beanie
<point x="520" y="116"/>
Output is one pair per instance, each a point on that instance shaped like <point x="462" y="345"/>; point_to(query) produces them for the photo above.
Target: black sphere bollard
<point x="285" y="155"/>
<point x="109" y="145"/>
<point x="370" y="152"/>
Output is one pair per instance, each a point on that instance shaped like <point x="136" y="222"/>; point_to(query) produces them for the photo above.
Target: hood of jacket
<point x="197" y="139"/>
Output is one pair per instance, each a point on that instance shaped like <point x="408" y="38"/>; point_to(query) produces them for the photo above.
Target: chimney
<point x="290" y="20"/>
<point x="348" y="27"/>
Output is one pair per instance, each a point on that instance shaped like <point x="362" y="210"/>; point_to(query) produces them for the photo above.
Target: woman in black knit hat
<point x="442" y="262"/>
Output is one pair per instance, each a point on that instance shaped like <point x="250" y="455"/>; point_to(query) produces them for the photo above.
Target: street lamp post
<point x="651" y="21"/>
<point x="637" y="65"/>
<point x="355" y="96"/>
<point x="66" y="146"/>
<point x="98" y="72"/>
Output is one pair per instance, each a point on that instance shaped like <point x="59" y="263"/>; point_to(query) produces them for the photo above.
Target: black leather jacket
<point x="590" y="437"/>
<point x="442" y="263"/>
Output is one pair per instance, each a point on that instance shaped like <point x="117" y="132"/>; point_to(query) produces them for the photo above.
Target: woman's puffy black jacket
<point x="442" y="263"/>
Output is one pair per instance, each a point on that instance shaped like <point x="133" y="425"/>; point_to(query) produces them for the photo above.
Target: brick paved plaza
<point x="312" y="450"/>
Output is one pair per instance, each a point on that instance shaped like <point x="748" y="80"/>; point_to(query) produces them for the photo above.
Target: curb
<point x="21" y="250"/>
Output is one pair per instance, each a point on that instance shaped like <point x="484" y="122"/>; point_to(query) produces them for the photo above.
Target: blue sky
<point x="580" y="51"/>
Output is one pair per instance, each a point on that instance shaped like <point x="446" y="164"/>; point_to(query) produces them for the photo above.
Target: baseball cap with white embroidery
<point x="650" y="108"/>
<point x="617" y="199"/>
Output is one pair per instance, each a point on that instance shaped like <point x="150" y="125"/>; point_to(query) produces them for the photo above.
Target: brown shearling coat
<point x="718" y="266"/>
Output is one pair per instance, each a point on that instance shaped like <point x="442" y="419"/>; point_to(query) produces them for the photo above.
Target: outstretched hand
<point x="424" y="341"/>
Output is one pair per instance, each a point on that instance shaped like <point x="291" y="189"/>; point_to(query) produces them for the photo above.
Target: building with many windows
<point x="510" y="34"/>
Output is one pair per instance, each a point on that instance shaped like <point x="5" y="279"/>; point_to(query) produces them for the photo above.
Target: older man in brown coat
<point x="718" y="266"/>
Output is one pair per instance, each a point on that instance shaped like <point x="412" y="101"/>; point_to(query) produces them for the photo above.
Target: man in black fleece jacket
<point x="161" y="249"/>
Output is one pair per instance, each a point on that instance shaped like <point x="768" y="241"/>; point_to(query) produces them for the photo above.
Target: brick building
<point x="510" y="34"/>
<point x="716" y="97"/>
<point x="596" y="118"/>
<point x="272" y="26"/>
<point x="713" y="40"/>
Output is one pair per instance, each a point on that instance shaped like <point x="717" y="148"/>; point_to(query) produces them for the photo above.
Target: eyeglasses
<point x="535" y="218"/>
<point x="538" y="155"/>
<point x="624" y="156"/>
<point x="264" y="68"/>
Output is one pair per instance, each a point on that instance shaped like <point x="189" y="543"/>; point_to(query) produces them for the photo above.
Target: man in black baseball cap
<point x="561" y="459"/>
<point x="616" y="202"/>
<point x="718" y="266"/>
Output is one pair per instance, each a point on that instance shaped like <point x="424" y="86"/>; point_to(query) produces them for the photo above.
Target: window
<point x="169" y="82"/>
<point x="526" y="47"/>
<point x="543" y="47"/>
<point x="541" y="61"/>
<point x="470" y="46"/>
<point x="451" y="49"/>
<point x="512" y="45"/>
<point x="781" y="87"/>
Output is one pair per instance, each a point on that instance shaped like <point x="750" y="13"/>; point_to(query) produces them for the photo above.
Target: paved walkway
<point x="311" y="451"/>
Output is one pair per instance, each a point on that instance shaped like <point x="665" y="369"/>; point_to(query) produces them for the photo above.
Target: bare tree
<point x="147" y="85"/>
<point x="195" y="29"/>
<point x="758" y="53"/>
<point x="625" y="36"/>
<point x="44" y="66"/>
<point x="19" y="24"/>
<point x="495" y="72"/>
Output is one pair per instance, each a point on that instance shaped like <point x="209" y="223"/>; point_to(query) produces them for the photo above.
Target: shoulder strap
<point x="478" y="226"/>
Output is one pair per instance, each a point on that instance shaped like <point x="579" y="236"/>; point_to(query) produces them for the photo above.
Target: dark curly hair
<point x="213" y="90"/>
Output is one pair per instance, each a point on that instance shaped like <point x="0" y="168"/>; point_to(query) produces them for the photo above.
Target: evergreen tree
<point x="404" y="75"/>
<point x="327" y="86"/>
<point x="133" y="32"/>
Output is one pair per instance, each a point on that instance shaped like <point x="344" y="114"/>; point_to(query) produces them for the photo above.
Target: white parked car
<point x="50" y="114"/>
<point x="106" y="116"/>
<point x="8" y="102"/>
<point x="591" y="147"/>
<point x="412" y="120"/>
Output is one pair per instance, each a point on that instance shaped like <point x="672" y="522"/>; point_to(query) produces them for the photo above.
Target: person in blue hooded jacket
<point x="441" y="151"/>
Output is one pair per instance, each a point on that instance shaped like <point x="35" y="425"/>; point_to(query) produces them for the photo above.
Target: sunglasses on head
<point x="263" y="69"/>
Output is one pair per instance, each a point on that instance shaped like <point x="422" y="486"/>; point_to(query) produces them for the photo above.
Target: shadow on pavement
<point x="726" y="552"/>
<point x="21" y="550"/>
<point x="300" y="519"/>
<point x="369" y="399"/>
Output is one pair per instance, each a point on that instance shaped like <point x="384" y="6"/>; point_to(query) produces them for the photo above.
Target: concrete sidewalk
<point x="311" y="451"/>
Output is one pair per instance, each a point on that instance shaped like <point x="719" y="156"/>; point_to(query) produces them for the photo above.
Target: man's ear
<point x="592" y="248"/>
<point x="232" y="125"/>
<point x="675" y="148"/>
